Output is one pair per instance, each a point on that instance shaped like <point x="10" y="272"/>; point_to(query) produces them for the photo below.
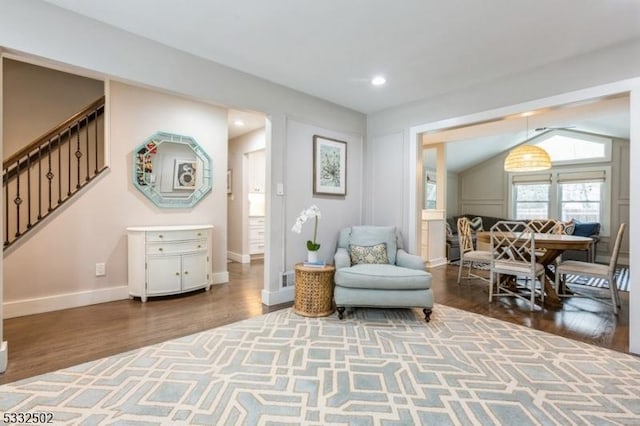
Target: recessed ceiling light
<point x="378" y="80"/>
<point x="238" y="123"/>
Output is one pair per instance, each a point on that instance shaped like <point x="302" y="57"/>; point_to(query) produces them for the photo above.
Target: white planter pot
<point x="312" y="256"/>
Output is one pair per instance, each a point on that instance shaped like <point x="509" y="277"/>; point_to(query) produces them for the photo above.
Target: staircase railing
<point x="45" y="174"/>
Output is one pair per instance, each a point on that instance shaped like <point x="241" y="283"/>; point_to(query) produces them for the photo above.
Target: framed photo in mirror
<point x="184" y="174"/>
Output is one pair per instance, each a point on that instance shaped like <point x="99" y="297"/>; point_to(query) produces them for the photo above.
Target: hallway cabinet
<point x="167" y="260"/>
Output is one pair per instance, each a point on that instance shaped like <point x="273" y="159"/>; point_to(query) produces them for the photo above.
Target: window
<point x="564" y="194"/>
<point x="566" y="147"/>
<point x="531" y="201"/>
<point x="430" y="193"/>
<point x="580" y="201"/>
<point x="531" y="196"/>
<point x="580" y="195"/>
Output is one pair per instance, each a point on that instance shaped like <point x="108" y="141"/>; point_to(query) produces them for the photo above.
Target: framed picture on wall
<point x="184" y="174"/>
<point x="329" y="166"/>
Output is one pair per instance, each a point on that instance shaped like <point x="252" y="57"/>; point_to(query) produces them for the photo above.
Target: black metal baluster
<point x="60" y="167"/>
<point x="29" y="225"/>
<point x="6" y="207"/>
<point x="69" y="143"/>
<point x="87" y="145"/>
<point x="17" y="200"/>
<point x="39" y="182"/>
<point x="95" y="124"/>
<point x="49" y="174"/>
<point x="78" y="154"/>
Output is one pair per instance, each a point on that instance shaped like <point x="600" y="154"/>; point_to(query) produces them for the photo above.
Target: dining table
<point x="550" y="246"/>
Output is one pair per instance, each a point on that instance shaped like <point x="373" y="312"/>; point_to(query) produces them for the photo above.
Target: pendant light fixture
<point x="527" y="158"/>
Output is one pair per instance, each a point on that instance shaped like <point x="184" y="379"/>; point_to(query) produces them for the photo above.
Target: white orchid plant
<point x="306" y="214"/>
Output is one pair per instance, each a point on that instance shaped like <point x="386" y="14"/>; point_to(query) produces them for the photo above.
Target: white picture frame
<point x="185" y="174"/>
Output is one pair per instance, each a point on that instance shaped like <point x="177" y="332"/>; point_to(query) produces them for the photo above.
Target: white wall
<point x="237" y="200"/>
<point x="39" y="99"/>
<point x="38" y="29"/>
<point x="337" y="212"/>
<point x="55" y="266"/>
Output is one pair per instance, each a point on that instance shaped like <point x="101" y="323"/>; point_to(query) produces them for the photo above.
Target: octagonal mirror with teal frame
<point x="172" y="170"/>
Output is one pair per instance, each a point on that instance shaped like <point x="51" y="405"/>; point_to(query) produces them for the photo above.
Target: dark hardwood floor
<point x="47" y="342"/>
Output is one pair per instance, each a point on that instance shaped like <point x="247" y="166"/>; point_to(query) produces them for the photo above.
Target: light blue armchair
<point x="367" y="275"/>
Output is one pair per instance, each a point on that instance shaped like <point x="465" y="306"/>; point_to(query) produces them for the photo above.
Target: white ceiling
<point x="331" y="48"/>
<point x="251" y="121"/>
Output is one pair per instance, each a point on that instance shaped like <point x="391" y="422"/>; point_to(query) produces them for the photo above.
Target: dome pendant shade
<point x="527" y="158"/>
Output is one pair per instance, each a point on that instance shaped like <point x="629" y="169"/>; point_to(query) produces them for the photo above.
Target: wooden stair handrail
<point x="15" y="157"/>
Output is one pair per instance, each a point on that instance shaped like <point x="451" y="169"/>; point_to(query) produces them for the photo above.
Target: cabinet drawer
<point x="157" y="236"/>
<point x="256" y="248"/>
<point x="176" y="247"/>
<point x="256" y="221"/>
<point x="256" y="235"/>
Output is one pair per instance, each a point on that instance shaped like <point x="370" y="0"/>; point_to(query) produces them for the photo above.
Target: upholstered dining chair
<point x="468" y="254"/>
<point x="513" y="252"/>
<point x="594" y="270"/>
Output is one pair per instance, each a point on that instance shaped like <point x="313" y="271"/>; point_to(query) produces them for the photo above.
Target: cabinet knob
<point x="160" y="249"/>
<point x="199" y="246"/>
<point x="177" y="273"/>
<point x="160" y="236"/>
<point x="186" y="272"/>
<point x="199" y="234"/>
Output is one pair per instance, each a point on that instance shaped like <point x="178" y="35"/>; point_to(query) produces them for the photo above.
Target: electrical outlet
<point x="101" y="269"/>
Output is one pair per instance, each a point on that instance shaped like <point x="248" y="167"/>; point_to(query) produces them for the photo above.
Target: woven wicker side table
<point x="313" y="291"/>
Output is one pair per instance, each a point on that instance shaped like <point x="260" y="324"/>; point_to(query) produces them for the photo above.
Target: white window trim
<point x="554" y="196"/>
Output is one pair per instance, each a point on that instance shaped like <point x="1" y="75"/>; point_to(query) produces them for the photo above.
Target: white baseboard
<point x="220" y="277"/>
<point x="237" y="257"/>
<point x="39" y="305"/>
<point x="276" y="297"/>
<point x="437" y="262"/>
<point x="3" y="357"/>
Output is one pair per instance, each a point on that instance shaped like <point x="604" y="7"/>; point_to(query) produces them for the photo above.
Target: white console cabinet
<point x="168" y="259"/>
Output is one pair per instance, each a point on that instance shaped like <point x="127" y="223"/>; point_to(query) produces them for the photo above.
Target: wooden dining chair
<point x="594" y="270"/>
<point x="468" y="254"/>
<point x="513" y="251"/>
<point x="545" y="226"/>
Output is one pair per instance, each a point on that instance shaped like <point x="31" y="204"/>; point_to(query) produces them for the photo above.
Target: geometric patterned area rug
<point x="376" y="366"/>
<point x="622" y="277"/>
